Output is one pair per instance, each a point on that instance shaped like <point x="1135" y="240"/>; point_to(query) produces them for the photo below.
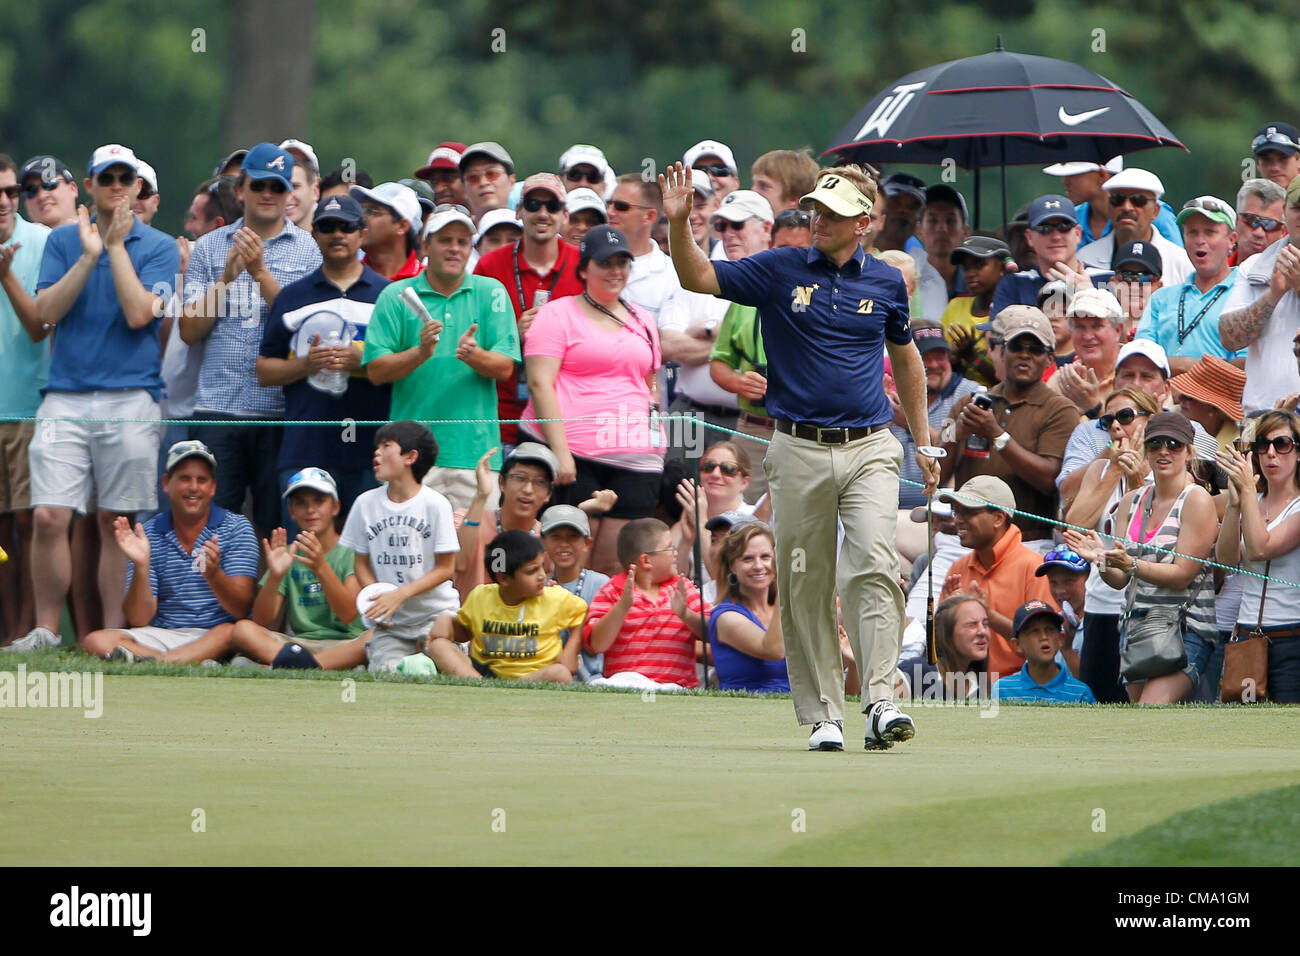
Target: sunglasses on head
<point x="106" y="178"/>
<point x="553" y="205"/>
<point x="1208" y="205"/>
<point x="577" y="176"/>
<point x="1137" y="199"/>
<point x="792" y="217"/>
<point x="726" y="467"/>
<point x="1261" y="222"/>
<point x="1139" y="277"/>
<point x="1026" y="343"/>
<point x="327" y="227"/>
<point x="1282" y="444"/>
<point x="1057" y="225"/>
<point x="718" y="170"/>
<point x="46" y="185"/>
<point x="1155" y="444"/>
<point x="262" y="185"/>
<point x="1274" y="138"/>
<point x="1068" y="555"/>
<point x="722" y="225"/>
<point x="1124" y="416"/>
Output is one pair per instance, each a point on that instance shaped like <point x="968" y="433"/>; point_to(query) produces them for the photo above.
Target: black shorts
<point x="638" y="491"/>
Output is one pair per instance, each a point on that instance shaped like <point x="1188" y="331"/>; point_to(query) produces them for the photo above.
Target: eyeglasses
<point x="718" y="170"/>
<point x="1124" y="416"/>
<point x="722" y="225"/>
<point x="519" y="478"/>
<point x="484" y="175"/>
<point x="672" y="548"/>
<point x="1273" y="137"/>
<point x="1059" y="225"/>
<point x="108" y="179"/>
<point x="788" y="218"/>
<point x="47" y="185"/>
<point x="726" y="467"/>
<point x="576" y="176"/>
<point x="262" y="185"/>
<point x="1025" y="343"/>
<point x="1155" y="444"/>
<point x="1140" y="277"/>
<point x="1282" y="444"/>
<point x="1260" y="222"/>
<point x="552" y="205"/>
<point x="1209" y="205"/>
<point x="1137" y="199"/>
<point x="13" y="192"/>
<point x="327" y="227"/>
<point x="622" y="205"/>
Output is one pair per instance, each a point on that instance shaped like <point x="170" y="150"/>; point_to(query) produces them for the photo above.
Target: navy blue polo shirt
<point x="824" y="330"/>
<point x="326" y="447"/>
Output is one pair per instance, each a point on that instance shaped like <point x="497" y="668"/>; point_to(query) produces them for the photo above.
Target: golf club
<point x="931" y="652"/>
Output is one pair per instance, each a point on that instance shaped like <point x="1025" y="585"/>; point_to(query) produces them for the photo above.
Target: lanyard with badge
<point x="521" y="388"/>
<point x="1182" y="302"/>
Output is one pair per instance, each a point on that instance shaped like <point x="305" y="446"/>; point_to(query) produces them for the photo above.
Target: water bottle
<point x="332" y="381"/>
<point x="977" y="446"/>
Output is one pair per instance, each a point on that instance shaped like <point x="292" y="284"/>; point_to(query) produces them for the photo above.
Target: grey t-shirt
<point x="585" y="586"/>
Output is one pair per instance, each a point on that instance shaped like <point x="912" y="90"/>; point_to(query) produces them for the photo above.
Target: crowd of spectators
<point x="1112" y="376"/>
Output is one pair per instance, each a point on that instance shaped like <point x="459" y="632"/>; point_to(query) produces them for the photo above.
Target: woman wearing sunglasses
<point x="1261" y="529"/>
<point x="1105" y="483"/>
<point x="1174" y="514"/>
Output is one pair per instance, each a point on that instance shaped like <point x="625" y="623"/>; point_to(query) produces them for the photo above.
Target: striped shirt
<point x="653" y="641"/>
<point x="184" y="597"/>
<point x="1200" y="612"/>
<point x="228" y="375"/>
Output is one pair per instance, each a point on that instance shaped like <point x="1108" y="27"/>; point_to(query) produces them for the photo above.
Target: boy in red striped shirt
<point x="646" y="620"/>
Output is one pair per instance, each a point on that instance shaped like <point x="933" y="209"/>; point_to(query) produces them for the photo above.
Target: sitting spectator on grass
<point x="1041" y="679"/>
<point x="745" y="625"/>
<point x="403" y="535"/>
<point x="961" y="640"/>
<point x="192" y="572"/>
<point x="513" y="625"/>
<point x="646" y="620"/>
<point x="566" y="536"/>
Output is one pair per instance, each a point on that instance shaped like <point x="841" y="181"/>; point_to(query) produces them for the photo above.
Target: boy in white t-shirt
<point x="403" y="535"/>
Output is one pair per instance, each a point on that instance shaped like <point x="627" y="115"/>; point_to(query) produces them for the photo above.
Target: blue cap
<point x="342" y="208"/>
<point x="1062" y="558"/>
<point x="268" y="161"/>
<point x="1032" y="610"/>
<point x="1051" y="207"/>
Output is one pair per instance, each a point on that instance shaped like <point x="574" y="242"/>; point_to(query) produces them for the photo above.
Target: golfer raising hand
<point x="828" y="313"/>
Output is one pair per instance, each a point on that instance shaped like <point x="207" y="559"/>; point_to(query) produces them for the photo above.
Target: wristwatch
<point x="1000" y="442"/>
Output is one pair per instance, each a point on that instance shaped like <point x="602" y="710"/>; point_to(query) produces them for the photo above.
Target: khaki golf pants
<point x="810" y="485"/>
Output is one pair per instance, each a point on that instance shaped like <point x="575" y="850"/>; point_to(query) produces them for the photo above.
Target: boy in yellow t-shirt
<point x="513" y="625"/>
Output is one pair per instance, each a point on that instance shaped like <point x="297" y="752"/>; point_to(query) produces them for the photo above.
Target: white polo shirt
<point x="1271" y="370"/>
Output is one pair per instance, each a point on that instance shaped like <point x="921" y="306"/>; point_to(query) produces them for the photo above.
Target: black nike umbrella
<point x="1000" y="109"/>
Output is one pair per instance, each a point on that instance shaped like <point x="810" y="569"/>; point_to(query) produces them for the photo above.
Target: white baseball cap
<point x="710" y="147"/>
<point x="582" y="154"/>
<point x="583" y="198"/>
<point x="403" y="200"/>
<point x="700" y="182"/>
<point x="443" y="216"/>
<point x="309" y="154"/>
<point x="1077" y="169"/>
<point x="318" y="479"/>
<point x="111" y="155"/>
<point x="1098" y="303"/>
<point x="145" y="172"/>
<point x="742" y="205"/>
<point x="1149" y="349"/>
<point x="493" y="218"/>
<point x="1136" y="179"/>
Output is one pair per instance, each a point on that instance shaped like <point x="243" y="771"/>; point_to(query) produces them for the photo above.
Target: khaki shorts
<point x="460" y="485"/>
<point x="163" y="639"/>
<point x="86" y="449"/>
<point x="15" y="477"/>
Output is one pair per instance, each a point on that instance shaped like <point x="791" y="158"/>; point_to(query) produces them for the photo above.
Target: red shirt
<point x="653" y="641"/>
<point x="508" y="267"/>
<point x="410" y="268"/>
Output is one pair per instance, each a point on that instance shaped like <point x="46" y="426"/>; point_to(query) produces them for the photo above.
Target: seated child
<point x="513" y="625"/>
<point x="1038" y="633"/>
<point x="647" y="619"/>
<point x="566" y="536"/>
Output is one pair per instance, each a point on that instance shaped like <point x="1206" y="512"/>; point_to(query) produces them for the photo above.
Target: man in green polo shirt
<point x="739" y="364"/>
<point x="447" y="368"/>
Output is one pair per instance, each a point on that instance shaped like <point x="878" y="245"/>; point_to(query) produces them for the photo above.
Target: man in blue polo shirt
<point x="1054" y="236"/>
<point x="828" y="315"/>
<point x="340" y="294"/>
<point x="192" y="574"/>
<point x="1041" y="680"/>
<point x="234" y="275"/>
<point x="99" y="287"/>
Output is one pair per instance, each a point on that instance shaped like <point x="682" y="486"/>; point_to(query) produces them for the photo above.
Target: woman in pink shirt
<point x="591" y="360"/>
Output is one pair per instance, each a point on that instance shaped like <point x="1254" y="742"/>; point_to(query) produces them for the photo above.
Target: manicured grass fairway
<point x="288" y="773"/>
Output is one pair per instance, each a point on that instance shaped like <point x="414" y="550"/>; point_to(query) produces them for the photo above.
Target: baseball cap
<point x="1051" y="206"/>
<point x="493" y="218"/>
<point x="710" y="147"/>
<point x="401" y="199"/>
<point x="1025" y="320"/>
<point x="146" y="173"/>
<point x="581" y="154"/>
<point x="1212" y="208"/>
<point x="839" y="196"/>
<point x="1078" y="169"/>
<point x="1056" y="291"/>
<point x="728" y="519"/>
<point x="1149" y="349"/>
<point x="308" y="154"/>
<point x="235" y="156"/>
<point x="601" y="242"/>
<point x="942" y="192"/>
<point x="268" y="161"/>
<point x="1062" y="557"/>
<point x="487" y="150"/>
<point x="47" y="167"/>
<point x="1134" y="178"/>
<point x="1282" y="137"/>
<point x="1293" y="192"/>
<point x="583" y="198"/>
<point x="566" y="516"/>
<point x="188" y="449"/>
<point x="318" y="479"/>
<point x="423" y="193"/>
<point x="1027" y="612"/>
<point x="982" y="491"/>
<point x="901" y="183"/>
<point x="342" y="208"/>
<point x="443" y="216"/>
<point x="534" y="453"/>
<point x="549" y="182"/>
<point x="1170" y="425"/>
<point x="1143" y="254"/>
<point x="980" y="247"/>
<point x="701" y="183"/>
<point x="444" y="156"/>
<point x="928" y="336"/>
<point x="1098" y="303"/>
<point x="111" y="155"/>
<point x="742" y="205"/>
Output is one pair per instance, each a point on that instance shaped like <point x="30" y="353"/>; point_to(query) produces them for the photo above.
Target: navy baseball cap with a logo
<point x="343" y="208"/>
<point x="268" y="161"/>
<point x="1027" y="612"/>
<point x="1051" y="207"/>
<point x="48" y="168"/>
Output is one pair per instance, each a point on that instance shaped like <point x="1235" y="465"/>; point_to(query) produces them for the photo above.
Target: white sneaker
<point x="120" y="653"/>
<point x="827" y="735"/>
<point x="887" y="725"/>
<point x="37" y="639"/>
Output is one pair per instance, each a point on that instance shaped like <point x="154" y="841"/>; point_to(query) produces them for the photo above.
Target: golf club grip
<point x="931" y="650"/>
